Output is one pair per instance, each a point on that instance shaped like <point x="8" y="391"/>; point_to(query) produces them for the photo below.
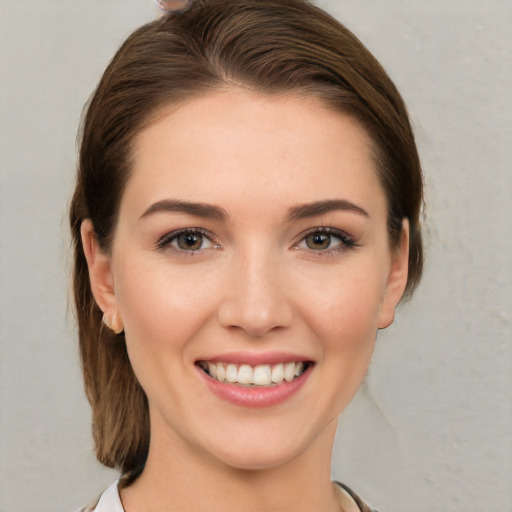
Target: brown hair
<point x="271" y="46"/>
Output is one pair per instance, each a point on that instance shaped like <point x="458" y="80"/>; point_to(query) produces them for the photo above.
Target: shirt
<point x="110" y="501"/>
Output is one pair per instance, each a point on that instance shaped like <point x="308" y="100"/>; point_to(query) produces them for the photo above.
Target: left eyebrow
<point x="305" y="211"/>
<point x="207" y="211"/>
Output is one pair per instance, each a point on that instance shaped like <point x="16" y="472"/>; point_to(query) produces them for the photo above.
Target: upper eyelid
<point x="340" y="233"/>
<point x="347" y="241"/>
<point x="171" y="235"/>
<point x="345" y="237"/>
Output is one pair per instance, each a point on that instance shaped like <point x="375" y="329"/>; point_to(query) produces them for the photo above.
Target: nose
<point x="256" y="299"/>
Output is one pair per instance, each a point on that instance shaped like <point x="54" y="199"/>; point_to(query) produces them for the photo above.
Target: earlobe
<point x="113" y="322"/>
<point x="397" y="279"/>
<point x="100" y="276"/>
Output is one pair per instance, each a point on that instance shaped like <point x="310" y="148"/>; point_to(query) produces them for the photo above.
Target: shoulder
<point x="361" y="504"/>
<point x="109" y="501"/>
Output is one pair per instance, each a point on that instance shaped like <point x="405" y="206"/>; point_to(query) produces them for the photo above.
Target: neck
<point x="180" y="477"/>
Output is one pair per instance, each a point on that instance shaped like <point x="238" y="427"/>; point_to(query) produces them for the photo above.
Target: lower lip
<point x="255" y="396"/>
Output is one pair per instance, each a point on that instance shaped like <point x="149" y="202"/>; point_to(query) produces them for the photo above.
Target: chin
<point x="258" y="458"/>
<point x="271" y="447"/>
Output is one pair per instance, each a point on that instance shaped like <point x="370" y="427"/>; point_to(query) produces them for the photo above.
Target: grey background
<point x="431" y="429"/>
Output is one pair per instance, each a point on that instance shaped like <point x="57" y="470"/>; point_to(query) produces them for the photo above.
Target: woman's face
<point x="251" y="247"/>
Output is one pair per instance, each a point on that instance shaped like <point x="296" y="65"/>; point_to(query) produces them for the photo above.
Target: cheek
<point x="346" y="308"/>
<point x="162" y="306"/>
<point x="344" y="321"/>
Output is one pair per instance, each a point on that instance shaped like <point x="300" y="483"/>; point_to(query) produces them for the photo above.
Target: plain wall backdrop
<point x="431" y="429"/>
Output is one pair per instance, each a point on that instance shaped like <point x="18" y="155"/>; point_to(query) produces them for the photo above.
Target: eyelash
<point x="346" y="241"/>
<point x="165" y="241"/>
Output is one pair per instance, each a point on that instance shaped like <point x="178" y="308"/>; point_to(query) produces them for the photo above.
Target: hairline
<point x="167" y="105"/>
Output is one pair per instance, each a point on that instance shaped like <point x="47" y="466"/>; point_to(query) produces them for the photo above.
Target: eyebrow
<point x="208" y="211"/>
<point x="317" y="208"/>
<point x="203" y="210"/>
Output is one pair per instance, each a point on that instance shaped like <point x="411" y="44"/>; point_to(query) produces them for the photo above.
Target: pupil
<point x="318" y="241"/>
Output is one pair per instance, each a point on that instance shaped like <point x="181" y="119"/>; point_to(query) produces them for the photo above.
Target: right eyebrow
<point x="317" y="208"/>
<point x="204" y="210"/>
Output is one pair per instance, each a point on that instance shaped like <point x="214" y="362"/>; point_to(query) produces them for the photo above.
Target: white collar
<point x="110" y="500"/>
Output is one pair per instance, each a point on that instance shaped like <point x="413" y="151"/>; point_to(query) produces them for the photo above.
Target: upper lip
<point x="256" y="358"/>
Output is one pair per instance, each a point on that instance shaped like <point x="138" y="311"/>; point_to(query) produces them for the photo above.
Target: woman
<point x="246" y="217"/>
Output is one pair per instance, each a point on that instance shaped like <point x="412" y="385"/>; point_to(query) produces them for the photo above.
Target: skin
<point x="257" y="284"/>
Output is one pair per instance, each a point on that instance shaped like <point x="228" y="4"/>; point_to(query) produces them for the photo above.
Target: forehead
<point x="240" y="145"/>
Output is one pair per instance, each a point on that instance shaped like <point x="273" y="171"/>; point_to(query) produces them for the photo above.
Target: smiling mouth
<point x="263" y="375"/>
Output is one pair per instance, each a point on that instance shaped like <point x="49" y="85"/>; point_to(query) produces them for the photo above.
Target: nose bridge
<point x="256" y="299"/>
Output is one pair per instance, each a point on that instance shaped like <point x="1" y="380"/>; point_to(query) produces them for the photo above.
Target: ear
<point x="397" y="279"/>
<point x="100" y="276"/>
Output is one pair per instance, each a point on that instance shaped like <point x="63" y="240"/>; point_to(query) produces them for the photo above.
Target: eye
<point x="190" y="241"/>
<point x="318" y="241"/>
<point x="187" y="240"/>
<point x="326" y="240"/>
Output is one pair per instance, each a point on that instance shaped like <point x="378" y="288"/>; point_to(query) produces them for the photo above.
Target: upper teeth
<point x="261" y="375"/>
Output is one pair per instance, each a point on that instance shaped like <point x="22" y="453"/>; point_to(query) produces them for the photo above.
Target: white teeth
<point x="231" y="373"/>
<point x="221" y="373"/>
<point x="278" y="373"/>
<point x="212" y="370"/>
<point x="289" y="372"/>
<point x="245" y="374"/>
<point x="261" y="375"/>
